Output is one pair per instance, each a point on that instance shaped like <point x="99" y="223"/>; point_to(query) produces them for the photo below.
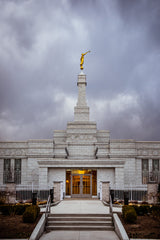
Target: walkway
<point x="80" y="206"/>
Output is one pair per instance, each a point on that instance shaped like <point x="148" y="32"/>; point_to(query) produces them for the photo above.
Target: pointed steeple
<point x="81" y="111"/>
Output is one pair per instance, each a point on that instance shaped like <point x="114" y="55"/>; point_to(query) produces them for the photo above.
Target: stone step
<point x="79" y="218"/>
<point x="80" y="228"/>
<point x="79" y="223"/>
<point x="79" y="214"/>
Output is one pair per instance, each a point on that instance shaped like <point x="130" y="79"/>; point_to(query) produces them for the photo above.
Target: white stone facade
<point x="81" y="146"/>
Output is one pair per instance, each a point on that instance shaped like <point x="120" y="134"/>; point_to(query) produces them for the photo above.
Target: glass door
<point x="86" y="184"/>
<point x="81" y="185"/>
<point x="76" y="184"/>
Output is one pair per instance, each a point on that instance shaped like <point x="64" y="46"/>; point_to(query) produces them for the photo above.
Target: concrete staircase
<point x="80" y="222"/>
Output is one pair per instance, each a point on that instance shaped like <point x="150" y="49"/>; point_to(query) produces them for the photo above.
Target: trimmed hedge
<point x="125" y="208"/>
<point x="11" y="209"/>
<point x="31" y="213"/>
<point x="142" y="210"/>
<point x="129" y="214"/>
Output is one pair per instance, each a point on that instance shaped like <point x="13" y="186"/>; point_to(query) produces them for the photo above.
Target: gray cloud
<point x="41" y="42"/>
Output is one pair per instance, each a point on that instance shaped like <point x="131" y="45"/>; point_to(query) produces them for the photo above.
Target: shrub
<point x="125" y="208"/>
<point x="2" y="197"/>
<point x="30" y="214"/>
<point x="142" y="210"/>
<point x="37" y="209"/>
<point x="10" y="209"/>
<point x="42" y="202"/>
<point x="134" y="201"/>
<point x="20" y="209"/>
<point x="130" y="216"/>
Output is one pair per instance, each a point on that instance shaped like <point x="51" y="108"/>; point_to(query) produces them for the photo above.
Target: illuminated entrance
<point x="81" y="183"/>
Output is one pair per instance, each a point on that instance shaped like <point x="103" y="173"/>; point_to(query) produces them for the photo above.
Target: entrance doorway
<point x="81" y="183"/>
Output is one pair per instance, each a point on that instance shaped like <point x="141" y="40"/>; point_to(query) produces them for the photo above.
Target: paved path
<point x="80" y="206"/>
<point x="80" y="235"/>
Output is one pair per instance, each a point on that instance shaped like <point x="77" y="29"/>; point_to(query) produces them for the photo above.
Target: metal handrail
<point x="48" y="206"/>
<point x="110" y="203"/>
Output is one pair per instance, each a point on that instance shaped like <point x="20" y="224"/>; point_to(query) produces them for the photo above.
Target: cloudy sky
<point x="40" y="47"/>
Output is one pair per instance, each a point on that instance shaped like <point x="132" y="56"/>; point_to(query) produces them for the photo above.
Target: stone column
<point x="152" y="193"/>
<point x="105" y="191"/>
<point x="81" y="111"/>
<point x="57" y="191"/>
<point x="10" y="193"/>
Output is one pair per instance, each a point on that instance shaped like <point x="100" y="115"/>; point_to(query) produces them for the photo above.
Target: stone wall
<point x="105" y="175"/>
<point x="56" y="175"/>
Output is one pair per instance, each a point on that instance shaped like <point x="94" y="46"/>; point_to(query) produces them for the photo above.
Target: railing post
<point x="48" y="206"/>
<point x="52" y="194"/>
<point x="112" y="195"/>
<point x="111" y="206"/>
<point x="34" y="198"/>
<point x="126" y="197"/>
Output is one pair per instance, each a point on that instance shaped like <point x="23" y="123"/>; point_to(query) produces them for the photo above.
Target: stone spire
<point x="81" y="111"/>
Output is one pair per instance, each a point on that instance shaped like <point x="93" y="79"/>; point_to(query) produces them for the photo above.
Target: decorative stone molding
<point x="148" y="152"/>
<point x="81" y="138"/>
<point x="66" y="163"/>
<point x="13" y="152"/>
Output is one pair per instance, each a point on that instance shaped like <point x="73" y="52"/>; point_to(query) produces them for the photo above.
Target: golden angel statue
<point x="82" y="59"/>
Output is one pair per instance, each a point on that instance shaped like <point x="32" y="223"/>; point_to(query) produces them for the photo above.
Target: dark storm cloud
<point x="41" y="42"/>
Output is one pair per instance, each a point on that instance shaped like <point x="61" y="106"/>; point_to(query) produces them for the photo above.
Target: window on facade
<point x="155" y="170"/>
<point x="7" y="171"/>
<point x="145" y="171"/>
<point x="12" y="171"/>
<point x="155" y="165"/>
<point x="17" y="171"/>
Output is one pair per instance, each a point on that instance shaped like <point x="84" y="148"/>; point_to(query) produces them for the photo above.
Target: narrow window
<point x="145" y="171"/>
<point x="17" y="171"/>
<point x="155" y="169"/>
<point x="12" y="171"/>
<point x="7" y="176"/>
<point x="155" y="165"/>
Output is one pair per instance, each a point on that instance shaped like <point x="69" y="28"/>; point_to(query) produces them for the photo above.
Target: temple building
<point x="81" y="158"/>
